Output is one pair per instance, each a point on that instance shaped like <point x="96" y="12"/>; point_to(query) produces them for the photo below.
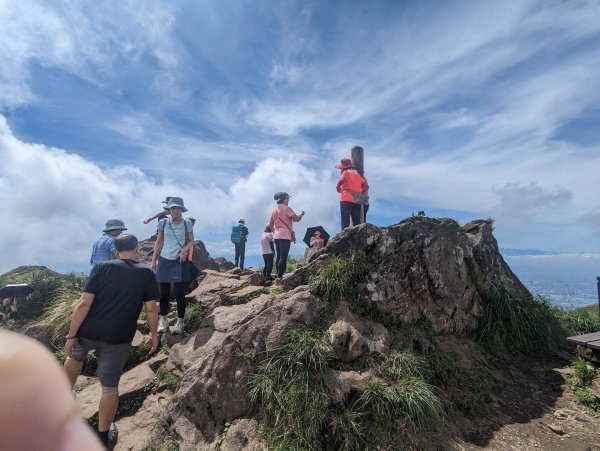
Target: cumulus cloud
<point x="520" y="204"/>
<point x="461" y="108"/>
<point x="58" y="202"/>
<point x="592" y="220"/>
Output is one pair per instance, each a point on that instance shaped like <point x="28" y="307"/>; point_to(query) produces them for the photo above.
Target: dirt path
<point x="532" y="408"/>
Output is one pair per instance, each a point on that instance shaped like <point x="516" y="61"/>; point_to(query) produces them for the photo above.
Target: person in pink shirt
<point x="268" y="251"/>
<point x="281" y="222"/>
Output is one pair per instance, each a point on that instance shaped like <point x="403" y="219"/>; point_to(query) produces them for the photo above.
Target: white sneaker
<point x="163" y="323"/>
<point x="178" y="329"/>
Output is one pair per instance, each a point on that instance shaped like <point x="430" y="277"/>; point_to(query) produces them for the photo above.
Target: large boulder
<point x="351" y="337"/>
<point x="200" y="257"/>
<point x="425" y="267"/>
<point x="216" y="359"/>
<point x="243" y="435"/>
<point x="223" y="287"/>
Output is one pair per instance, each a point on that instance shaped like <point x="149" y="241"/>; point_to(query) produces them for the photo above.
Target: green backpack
<point x="236" y="234"/>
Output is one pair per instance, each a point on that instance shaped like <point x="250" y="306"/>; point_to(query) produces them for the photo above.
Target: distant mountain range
<point x="512" y="252"/>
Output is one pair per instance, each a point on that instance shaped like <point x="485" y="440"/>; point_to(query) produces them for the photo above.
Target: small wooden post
<point x="598" y="286"/>
<point x="358" y="160"/>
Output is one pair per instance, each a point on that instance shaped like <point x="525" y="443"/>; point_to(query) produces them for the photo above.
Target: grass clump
<point x="509" y="326"/>
<point x="404" y="402"/>
<point x="12" y="325"/>
<point x="231" y="299"/>
<point x="579" y="321"/>
<point x="580" y="381"/>
<point x="475" y="386"/>
<point x="275" y="290"/>
<point x="60" y="303"/>
<point x="292" y="264"/>
<point x="171" y="380"/>
<point x="400" y="364"/>
<point x="297" y="413"/>
<point x="582" y="372"/>
<point x="336" y="279"/>
<point x="288" y="388"/>
<point x="194" y="314"/>
<point x="399" y="397"/>
<point x="137" y="355"/>
<point x="588" y="398"/>
<point x="348" y="431"/>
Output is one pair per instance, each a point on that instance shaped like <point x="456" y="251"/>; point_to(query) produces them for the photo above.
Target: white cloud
<point x="521" y="204"/>
<point x="59" y="201"/>
<point x="90" y="41"/>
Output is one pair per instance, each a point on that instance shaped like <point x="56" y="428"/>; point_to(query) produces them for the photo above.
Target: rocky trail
<point x="194" y="393"/>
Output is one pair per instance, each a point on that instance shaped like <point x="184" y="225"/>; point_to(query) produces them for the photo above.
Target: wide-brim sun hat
<point x="345" y="163"/>
<point x="114" y="224"/>
<point x="166" y="201"/>
<point x="176" y="202"/>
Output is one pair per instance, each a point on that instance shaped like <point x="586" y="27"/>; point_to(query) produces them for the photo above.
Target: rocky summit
<point x="413" y="336"/>
<point x="425" y="268"/>
<point x="421" y="268"/>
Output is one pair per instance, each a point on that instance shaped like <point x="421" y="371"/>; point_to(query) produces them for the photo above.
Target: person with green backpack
<point x="239" y="234"/>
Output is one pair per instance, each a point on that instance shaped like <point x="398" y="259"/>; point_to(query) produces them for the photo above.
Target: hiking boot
<point x="113" y="435"/>
<point x="178" y="329"/>
<point x="278" y="281"/>
<point x="163" y="323"/>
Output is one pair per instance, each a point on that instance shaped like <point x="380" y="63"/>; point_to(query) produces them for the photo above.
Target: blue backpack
<point x="236" y="234"/>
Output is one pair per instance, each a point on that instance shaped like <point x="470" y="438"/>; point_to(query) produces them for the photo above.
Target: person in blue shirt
<point x="103" y="248"/>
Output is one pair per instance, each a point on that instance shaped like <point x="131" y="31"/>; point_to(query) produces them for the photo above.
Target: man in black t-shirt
<point x="105" y="319"/>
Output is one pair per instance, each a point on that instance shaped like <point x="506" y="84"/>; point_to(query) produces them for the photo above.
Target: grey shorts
<point x="111" y="359"/>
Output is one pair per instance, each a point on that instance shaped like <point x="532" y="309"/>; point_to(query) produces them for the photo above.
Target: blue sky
<point x="466" y="109"/>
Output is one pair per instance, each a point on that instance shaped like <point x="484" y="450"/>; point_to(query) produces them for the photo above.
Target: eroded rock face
<point x="243" y="434"/>
<point x="340" y="385"/>
<point x="216" y="286"/>
<point x="426" y="267"/>
<point x="215" y="360"/>
<point x="351" y="337"/>
<point x="201" y="257"/>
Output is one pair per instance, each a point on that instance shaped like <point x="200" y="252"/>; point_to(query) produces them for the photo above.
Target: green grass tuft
<point x="579" y="321"/>
<point x="588" y="398"/>
<point x="509" y="326"/>
<point x="288" y="388"/>
<point x="401" y="364"/>
<point x="194" y="314"/>
<point x="583" y="373"/>
<point x="171" y="380"/>
<point x="347" y="430"/>
<point x="12" y="325"/>
<point x="336" y="279"/>
<point x="409" y="401"/>
<point x="292" y="264"/>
